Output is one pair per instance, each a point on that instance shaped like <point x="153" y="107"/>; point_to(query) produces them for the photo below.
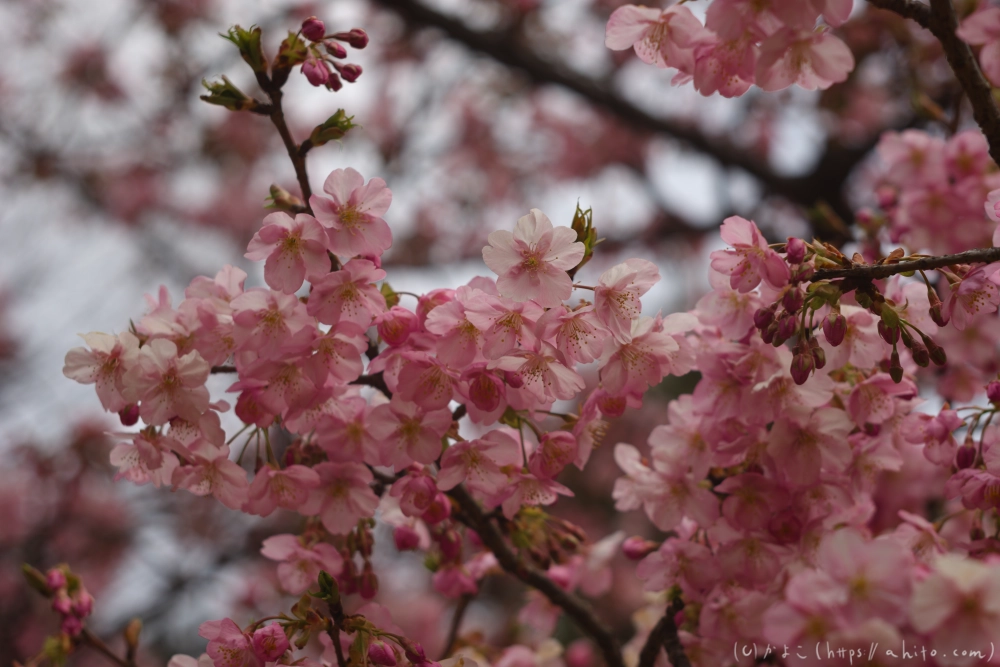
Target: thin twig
<point x="456" y="624"/>
<point x="90" y="639"/>
<point x="879" y="271"/>
<point x="581" y="613"/>
<point x="941" y="20"/>
<point x="223" y="369"/>
<point x="664" y="635"/>
<point x="333" y="630"/>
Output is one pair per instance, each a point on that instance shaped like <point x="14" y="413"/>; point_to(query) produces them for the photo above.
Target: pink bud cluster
<point x="322" y="66"/>
<point x="69" y="599"/>
<point x="743" y="42"/>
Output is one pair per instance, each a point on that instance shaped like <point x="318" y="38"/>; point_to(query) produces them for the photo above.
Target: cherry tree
<point x="829" y="487"/>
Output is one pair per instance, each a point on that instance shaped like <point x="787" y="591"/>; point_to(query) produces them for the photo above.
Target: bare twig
<point x="664" y="635"/>
<point x="456" y="624"/>
<point x="879" y="271"/>
<point x="223" y="369"/>
<point x="581" y="613"/>
<point x="90" y="639"/>
<point x="941" y="20"/>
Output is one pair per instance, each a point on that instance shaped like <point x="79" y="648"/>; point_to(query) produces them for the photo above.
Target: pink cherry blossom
<point x="269" y="642"/>
<point x="348" y="295"/>
<point x="577" y="333"/>
<point x="105" y="365"/>
<point x="167" y="385"/>
<point x="808" y="58"/>
<point x="665" y="38"/>
<point x="270" y="322"/>
<point x="299" y="565"/>
<point x="543" y="372"/>
<point x="273" y="488"/>
<point x="526" y="489"/>
<point x="983" y="27"/>
<point x="478" y="463"/>
<point x="459" y="338"/>
<point x="751" y="260"/>
<point x="343" y="496"/>
<point x="210" y="472"/>
<point x="976" y="293"/>
<point x="295" y="249"/>
<point x="556" y="450"/>
<point x="644" y="360"/>
<point x="228" y="646"/>
<point x="407" y="433"/>
<point x="353" y="213"/>
<point x="616" y="297"/>
<point x="532" y="262"/>
<point x="504" y="323"/>
<point x="958" y="606"/>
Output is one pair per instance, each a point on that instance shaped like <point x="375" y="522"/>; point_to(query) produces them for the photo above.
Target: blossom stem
<point x="456" y="624"/>
<point x="582" y="614"/>
<point x="879" y="271"/>
<point x="664" y="635"/>
<point x="579" y="286"/>
<point x="90" y="639"/>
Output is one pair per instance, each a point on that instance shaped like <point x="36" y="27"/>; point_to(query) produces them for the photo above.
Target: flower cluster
<point x="772" y="44"/>
<point x="69" y="599"/>
<point x="322" y="66"/>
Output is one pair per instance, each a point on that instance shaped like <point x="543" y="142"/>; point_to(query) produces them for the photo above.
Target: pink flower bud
<point x="406" y="538"/>
<point x="451" y="545"/>
<point x="439" y="510"/>
<point x="637" y="548"/>
<point x="764" y="316"/>
<point x="795" y="251"/>
<point x="792" y="300"/>
<point x="334" y="49"/>
<point x="786" y="328"/>
<point x="485" y="389"/>
<point x="396" y="325"/>
<point x="835" y="328"/>
<point x="72" y="626"/>
<point x="872" y="430"/>
<point x="316" y="71"/>
<point x="993" y="391"/>
<point x="129" y="415"/>
<point x="368" y="586"/>
<point x="350" y="71"/>
<point x="356" y="37"/>
<point x="895" y="367"/>
<point x="379" y="653"/>
<point x="580" y="654"/>
<point x="55" y="579"/>
<point x="888" y="334"/>
<point x="414" y="652"/>
<point x="560" y="576"/>
<point x="83" y="604"/>
<point x="333" y="82"/>
<point x="61" y="604"/>
<point x="802" y="366"/>
<point x="887" y="196"/>
<point x="269" y="642"/>
<point x="965" y="457"/>
<point x="313" y="29"/>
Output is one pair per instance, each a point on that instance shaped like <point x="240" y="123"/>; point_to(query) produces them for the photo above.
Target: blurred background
<point x="117" y="179"/>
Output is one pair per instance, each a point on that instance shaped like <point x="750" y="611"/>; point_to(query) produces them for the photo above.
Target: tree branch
<point x="456" y="624"/>
<point x="664" y="635"/>
<point x="941" y="20"/>
<point x="472" y="516"/>
<point x="879" y="271"/>
<point x="506" y="47"/>
<point x="297" y="156"/>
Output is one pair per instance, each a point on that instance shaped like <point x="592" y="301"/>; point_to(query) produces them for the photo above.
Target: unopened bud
<point x="406" y="538"/>
<point x="802" y="366"/>
<point x="763" y="317"/>
<point x="818" y="355"/>
<point x="313" y="29"/>
<point x="872" y="430"/>
<point x="993" y="391"/>
<point x="131" y="633"/>
<point x="937" y="353"/>
<point x="451" y="545"/>
<point x="795" y="251"/>
<point x="414" y="651"/>
<point x="379" y="653"/>
<point x="786" y="328"/>
<point x="349" y="71"/>
<point x="889" y="335"/>
<point x="356" y="37"/>
<point x="921" y="357"/>
<point x="438" y="511"/>
<point x="335" y="49"/>
<point x="84" y="604"/>
<point x="887" y="196"/>
<point x="368" y="587"/>
<point x="768" y="334"/>
<point x="937" y="314"/>
<point x="835" y="328"/>
<point x="792" y="301"/>
<point x="895" y="368"/>
<point x="129" y="415"/>
<point x="333" y="82"/>
<point x="965" y="457"/>
<point x="637" y="548"/>
<point x="976" y="534"/>
<point x="55" y="579"/>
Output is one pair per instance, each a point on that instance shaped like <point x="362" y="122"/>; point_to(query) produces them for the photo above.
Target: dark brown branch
<point x="456" y="624"/>
<point x="879" y="271"/>
<point x="333" y="631"/>
<point x="272" y="86"/>
<point x="581" y="613"/>
<point x="223" y="369"/>
<point x="374" y="380"/>
<point x="664" y="635"/>
<point x="941" y="20"/>
<point x="508" y="48"/>
<point x="90" y="639"/>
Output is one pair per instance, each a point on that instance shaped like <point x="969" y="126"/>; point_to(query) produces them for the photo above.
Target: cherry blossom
<point x="353" y="213"/>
